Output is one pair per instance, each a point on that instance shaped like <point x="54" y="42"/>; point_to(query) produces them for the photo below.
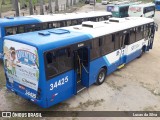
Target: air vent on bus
<point x="91" y="24"/>
<point x="44" y="33"/>
<point x="59" y="31"/>
<point x="117" y="20"/>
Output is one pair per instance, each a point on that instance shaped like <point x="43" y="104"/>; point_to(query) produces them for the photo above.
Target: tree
<point x="3" y="2"/>
<point x="30" y="7"/>
<point x="16" y="7"/>
<point x="67" y="3"/>
<point x="13" y="4"/>
<point x="50" y="6"/>
<point x="41" y="7"/>
<point x="56" y="6"/>
<point x="74" y="2"/>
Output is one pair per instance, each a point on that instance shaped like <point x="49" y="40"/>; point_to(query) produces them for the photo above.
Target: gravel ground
<point x="132" y="88"/>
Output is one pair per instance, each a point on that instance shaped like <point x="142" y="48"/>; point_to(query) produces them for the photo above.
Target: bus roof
<point x="143" y="5"/>
<point x="13" y="21"/>
<point x="65" y="16"/>
<point x="49" y="38"/>
<point x="75" y="34"/>
<point x="127" y="4"/>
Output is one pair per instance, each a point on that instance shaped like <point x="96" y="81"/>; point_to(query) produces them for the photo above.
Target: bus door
<point x="123" y="37"/>
<point x="152" y="29"/>
<point x="81" y="67"/>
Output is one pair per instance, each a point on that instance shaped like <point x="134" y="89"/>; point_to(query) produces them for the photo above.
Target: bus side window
<point x="117" y="42"/>
<point x="74" y="22"/>
<point x="37" y="27"/>
<point x="58" y="61"/>
<point x="51" y="64"/>
<point x="64" y="59"/>
<point x="95" y="51"/>
<point x="30" y="28"/>
<point x="132" y="36"/>
<point x="55" y="24"/>
<point x="50" y="25"/>
<point x="139" y="33"/>
<point x="126" y="39"/>
<point x="109" y="43"/>
<point x="91" y="19"/>
<point x="62" y="24"/>
<point x="11" y="31"/>
<point x="69" y="23"/>
<point x="49" y="57"/>
<point x="79" y="21"/>
<point x="101" y="18"/>
<point x="21" y="29"/>
<point x="146" y="31"/>
<point x="44" y="26"/>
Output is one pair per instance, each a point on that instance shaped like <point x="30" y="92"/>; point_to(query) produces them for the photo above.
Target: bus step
<point x="121" y="66"/>
<point x="80" y="87"/>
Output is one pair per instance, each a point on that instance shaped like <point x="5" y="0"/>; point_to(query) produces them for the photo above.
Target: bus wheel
<point x="101" y="76"/>
<point x="142" y="52"/>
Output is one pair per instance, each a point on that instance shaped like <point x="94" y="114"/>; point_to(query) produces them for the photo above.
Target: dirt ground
<point x="132" y="88"/>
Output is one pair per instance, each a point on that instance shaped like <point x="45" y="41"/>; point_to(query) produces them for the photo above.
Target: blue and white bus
<point x="49" y="66"/>
<point x="157" y="4"/>
<point x="16" y="25"/>
<point x="142" y="10"/>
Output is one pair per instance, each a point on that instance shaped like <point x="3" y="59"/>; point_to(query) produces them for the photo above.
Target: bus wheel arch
<point x="101" y="75"/>
<point x="143" y="50"/>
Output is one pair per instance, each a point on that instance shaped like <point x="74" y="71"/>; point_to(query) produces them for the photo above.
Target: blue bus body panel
<point x="60" y="88"/>
<point x="5" y="22"/>
<point x="51" y="41"/>
<point x="18" y="90"/>
<point x="157" y="6"/>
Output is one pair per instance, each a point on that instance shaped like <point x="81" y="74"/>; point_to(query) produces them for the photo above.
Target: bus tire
<point x="101" y="76"/>
<point x="142" y="52"/>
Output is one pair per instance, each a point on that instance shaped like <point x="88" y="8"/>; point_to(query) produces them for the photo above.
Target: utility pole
<point x="16" y="7"/>
<point x="50" y="6"/>
<point x="30" y="7"/>
<point x="41" y="8"/>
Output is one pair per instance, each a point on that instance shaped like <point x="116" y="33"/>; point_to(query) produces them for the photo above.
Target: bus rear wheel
<point x="101" y="76"/>
<point x="142" y="52"/>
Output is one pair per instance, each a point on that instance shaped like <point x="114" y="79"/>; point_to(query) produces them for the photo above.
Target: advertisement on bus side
<point x="21" y="64"/>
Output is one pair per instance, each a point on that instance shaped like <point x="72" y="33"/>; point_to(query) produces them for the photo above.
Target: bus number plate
<point x="59" y="83"/>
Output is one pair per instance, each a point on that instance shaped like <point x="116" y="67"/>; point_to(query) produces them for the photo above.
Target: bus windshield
<point x="158" y="3"/>
<point x="21" y="64"/>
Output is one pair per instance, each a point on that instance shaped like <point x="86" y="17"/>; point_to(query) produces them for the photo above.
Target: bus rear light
<point x="54" y="95"/>
<point x="33" y="100"/>
<point x="22" y="87"/>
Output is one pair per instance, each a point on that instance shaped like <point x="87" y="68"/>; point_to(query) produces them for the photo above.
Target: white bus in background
<point x="142" y="10"/>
